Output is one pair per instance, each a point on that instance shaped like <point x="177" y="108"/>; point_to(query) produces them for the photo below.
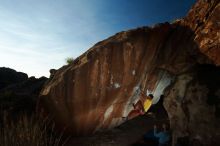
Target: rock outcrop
<point x="9" y="76"/>
<point x="100" y="86"/>
<point x="18" y="93"/>
<point x="204" y="20"/>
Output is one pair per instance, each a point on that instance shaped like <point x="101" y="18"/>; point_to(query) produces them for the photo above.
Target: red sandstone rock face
<point x="204" y="20"/>
<point x="99" y="88"/>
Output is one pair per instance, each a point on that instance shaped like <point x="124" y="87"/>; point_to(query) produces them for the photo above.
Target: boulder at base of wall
<point x="193" y="103"/>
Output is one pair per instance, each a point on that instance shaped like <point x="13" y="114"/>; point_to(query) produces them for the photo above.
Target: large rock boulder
<point x="100" y="86"/>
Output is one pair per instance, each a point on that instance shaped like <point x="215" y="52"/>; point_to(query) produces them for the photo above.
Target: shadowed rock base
<point x="129" y="133"/>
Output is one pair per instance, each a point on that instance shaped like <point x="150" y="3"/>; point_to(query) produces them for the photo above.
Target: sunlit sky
<point x="37" y="35"/>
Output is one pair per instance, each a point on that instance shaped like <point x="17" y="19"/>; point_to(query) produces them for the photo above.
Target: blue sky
<point x="37" y="35"/>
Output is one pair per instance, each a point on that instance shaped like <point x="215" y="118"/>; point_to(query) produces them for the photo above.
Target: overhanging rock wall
<point x="99" y="87"/>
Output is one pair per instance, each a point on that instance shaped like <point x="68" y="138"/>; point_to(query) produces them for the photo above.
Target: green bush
<point x="69" y="60"/>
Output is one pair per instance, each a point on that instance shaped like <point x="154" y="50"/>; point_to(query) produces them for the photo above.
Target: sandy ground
<point x="127" y="134"/>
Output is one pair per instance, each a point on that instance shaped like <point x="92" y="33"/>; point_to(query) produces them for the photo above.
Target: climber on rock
<point x="148" y="102"/>
<point x="141" y="106"/>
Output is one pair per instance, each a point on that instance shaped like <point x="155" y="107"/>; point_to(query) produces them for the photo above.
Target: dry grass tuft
<point x="28" y="131"/>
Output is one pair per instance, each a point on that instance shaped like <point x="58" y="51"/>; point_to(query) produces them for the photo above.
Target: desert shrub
<point x="28" y="131"/>
<point x="69" y="60"/>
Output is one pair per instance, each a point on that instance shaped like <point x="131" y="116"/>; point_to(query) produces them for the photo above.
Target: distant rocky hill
<point x="18" y="93"/>
<point x="9" y="76"/>
<point x="180" y="60"/>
